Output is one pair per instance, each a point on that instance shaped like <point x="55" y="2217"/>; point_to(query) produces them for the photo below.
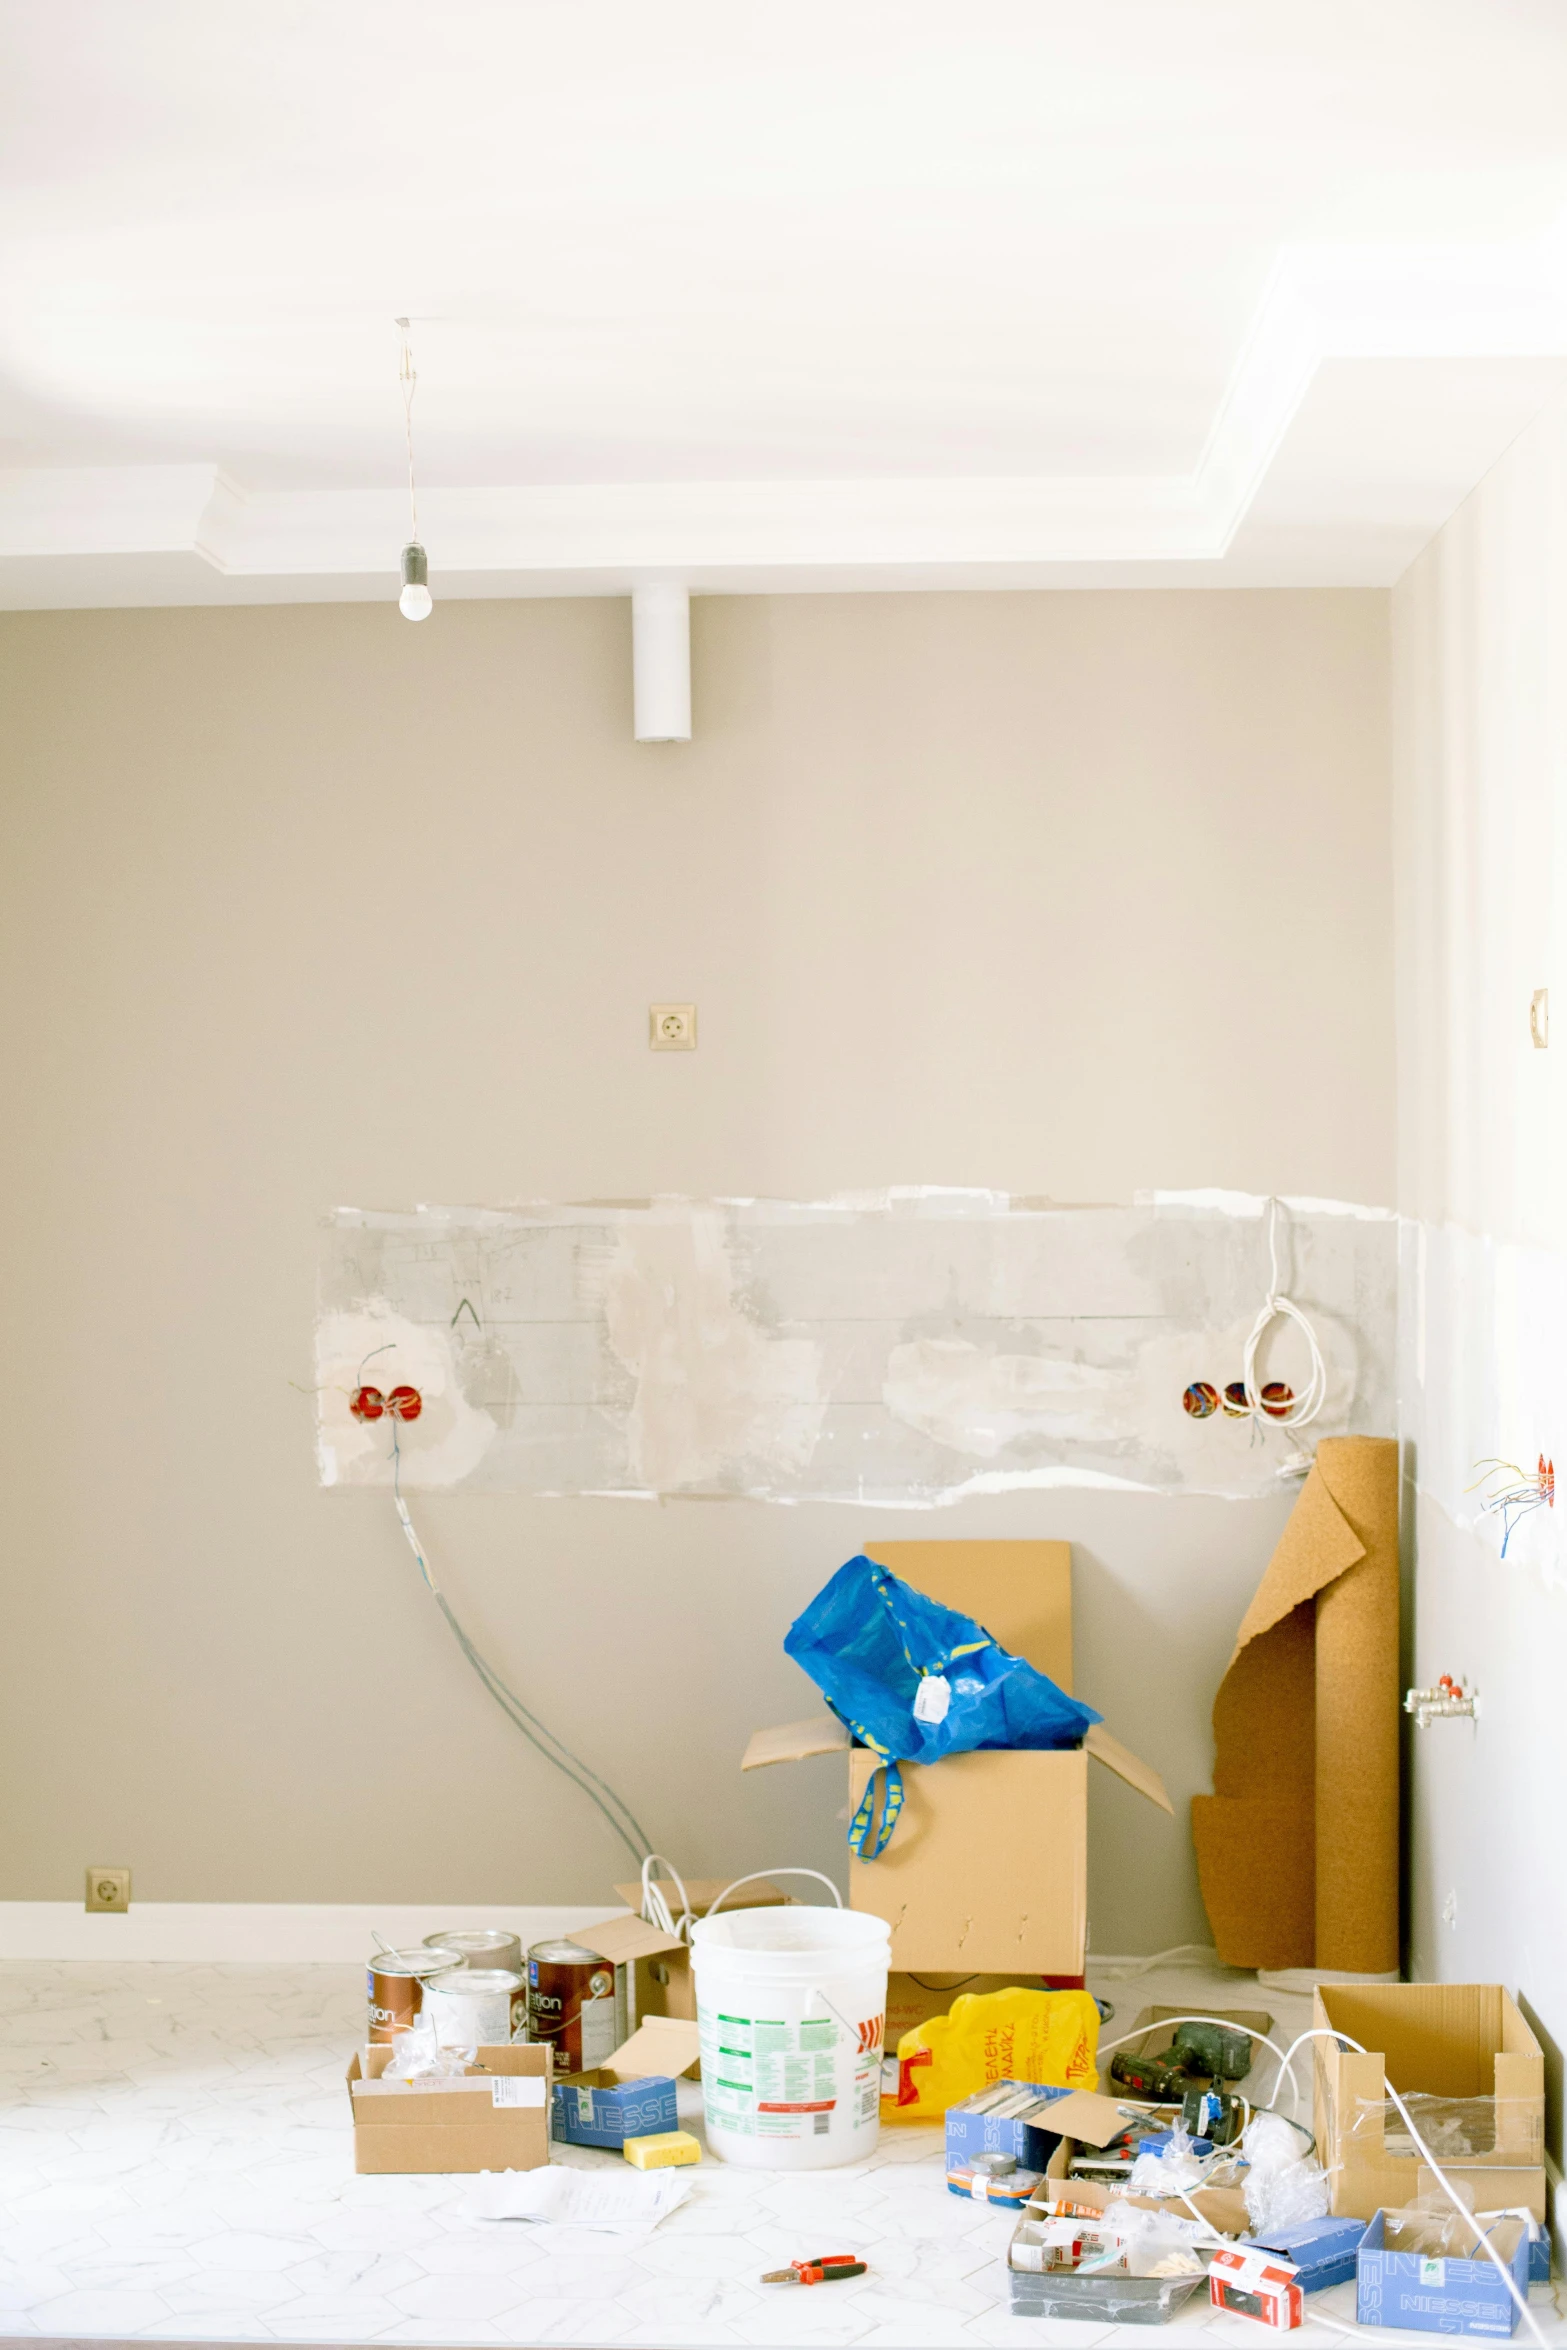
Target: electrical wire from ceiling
<point x="414" y="602"/>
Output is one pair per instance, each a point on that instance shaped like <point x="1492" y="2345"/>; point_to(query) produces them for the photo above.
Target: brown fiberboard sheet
<point x="1297" y="1847"/>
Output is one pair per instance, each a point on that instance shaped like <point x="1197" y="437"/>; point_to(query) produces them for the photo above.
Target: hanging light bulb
<point x="415" y="601"/>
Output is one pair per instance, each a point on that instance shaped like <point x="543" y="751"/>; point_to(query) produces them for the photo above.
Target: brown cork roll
<point x="1297" y="1847"/>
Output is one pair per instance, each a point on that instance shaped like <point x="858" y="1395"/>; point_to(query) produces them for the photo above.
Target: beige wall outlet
<point x="108" y="1888"/>
<point x="672" y="1028"/>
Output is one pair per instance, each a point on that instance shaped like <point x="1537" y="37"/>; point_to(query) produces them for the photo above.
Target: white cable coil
<point x="1277" y="1307"/>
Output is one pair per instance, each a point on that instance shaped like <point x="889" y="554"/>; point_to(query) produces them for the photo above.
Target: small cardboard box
<point x="1030" y="2143"/>
<point x="1436" y="2294"/>
<point x="1463" y="2041"/>
<point x="596" y="2109"/>
<point x="658" y="1965"/>
<point x="495" y="2118"/>
<point x="1256" y="2284"/>
<point x="988" y="1867"/>
<point x="1321" y="2251"/>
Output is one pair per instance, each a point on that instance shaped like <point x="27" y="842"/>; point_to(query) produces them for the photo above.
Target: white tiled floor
<point x="176" y="2164"/>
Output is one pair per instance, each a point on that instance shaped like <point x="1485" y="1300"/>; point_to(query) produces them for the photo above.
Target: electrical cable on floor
<point x="543" y="1739"/>
<point x="1181" y="1954"/>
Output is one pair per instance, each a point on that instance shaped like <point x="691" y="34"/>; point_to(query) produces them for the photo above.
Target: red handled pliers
<point x="825" y="2269"/>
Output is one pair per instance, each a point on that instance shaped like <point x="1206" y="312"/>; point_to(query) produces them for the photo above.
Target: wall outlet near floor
<point x="672" y="1028"/>
<point x="108" y="1888"/>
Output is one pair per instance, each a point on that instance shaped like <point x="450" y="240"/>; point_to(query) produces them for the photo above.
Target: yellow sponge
<point x="662" y="2149"/>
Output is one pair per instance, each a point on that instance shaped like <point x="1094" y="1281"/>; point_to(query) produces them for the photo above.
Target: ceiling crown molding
<point x="1375" y="386"/>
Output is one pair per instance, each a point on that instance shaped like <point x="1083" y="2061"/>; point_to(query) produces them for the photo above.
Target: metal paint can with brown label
<point x="394" y="1988"/>
<point x="576" y="2003"/>
<point x="480" y="1946"/>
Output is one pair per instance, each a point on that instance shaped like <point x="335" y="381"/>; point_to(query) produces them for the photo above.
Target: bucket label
<point x="765" y="2078"/>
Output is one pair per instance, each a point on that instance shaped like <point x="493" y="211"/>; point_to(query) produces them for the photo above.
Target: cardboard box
<point x="1155" y="2029"/>
<point x="658" y="1965"/>
<point x="1030" y="2144"/>
<point x="1257" y="2285"/>
<point x="1096" y="2120"/>
<point x="1451" y="2040"/>
<point x="914" y="1999"/>
<point x="989" y="1864"/>
<point x="596" y="2109"/>
<point x="1321" y="2251"/>
<point x="496" y="2118"/>
<point x="1433" y="2294"/>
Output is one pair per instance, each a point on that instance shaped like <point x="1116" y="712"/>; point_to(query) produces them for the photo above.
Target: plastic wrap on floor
<point x="902" y="1350"/>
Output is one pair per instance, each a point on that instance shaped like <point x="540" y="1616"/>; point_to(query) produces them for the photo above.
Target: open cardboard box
<point x="658" y="1965"/>
<point x="1155" y="2028"/>
<point x="1458" y="2040"/>
<point x="497" y="2117"/>
<point x="988" y="1867"/>
<point x="1087" y="2121"/>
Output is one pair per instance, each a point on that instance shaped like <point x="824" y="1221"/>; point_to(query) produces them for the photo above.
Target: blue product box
<point x="601" y="2111"/>
<point x="970" y="2133"/>
<point x="1322" y="2251"/>
<point x="1436" y="2296"/>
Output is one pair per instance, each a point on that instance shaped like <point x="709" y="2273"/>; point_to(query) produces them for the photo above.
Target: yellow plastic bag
<point x="1050" y="2037"/>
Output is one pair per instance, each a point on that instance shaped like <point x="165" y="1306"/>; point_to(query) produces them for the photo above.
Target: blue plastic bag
<point x="915" y="1681"/>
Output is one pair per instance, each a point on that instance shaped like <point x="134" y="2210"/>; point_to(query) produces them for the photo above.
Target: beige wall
<point x="1070" y="895"/>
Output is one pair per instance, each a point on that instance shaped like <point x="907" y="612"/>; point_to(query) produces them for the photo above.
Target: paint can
<point x="394" y="1985"/>
<point x="477" y="2007"/>
<point x="577" y="2003"/>
<point x="481" y="1946"/>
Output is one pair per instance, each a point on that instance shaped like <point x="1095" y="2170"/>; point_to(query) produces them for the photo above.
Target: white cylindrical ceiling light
<point x="661" y="663"/>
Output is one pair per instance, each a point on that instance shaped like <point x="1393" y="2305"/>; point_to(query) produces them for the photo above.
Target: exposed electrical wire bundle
<point x="404" y="1404"/>
<point x="1513" y="1493"/>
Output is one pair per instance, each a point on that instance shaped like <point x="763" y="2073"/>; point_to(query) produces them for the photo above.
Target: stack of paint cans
<point x="577" y="2003"/>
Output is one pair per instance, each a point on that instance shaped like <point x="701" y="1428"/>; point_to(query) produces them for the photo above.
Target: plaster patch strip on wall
<point x="900" y="1350"/>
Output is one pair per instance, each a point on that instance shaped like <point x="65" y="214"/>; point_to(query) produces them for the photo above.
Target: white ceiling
<point x="882" y="292"/>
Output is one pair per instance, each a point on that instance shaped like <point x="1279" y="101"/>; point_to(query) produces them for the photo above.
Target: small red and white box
<point x="1258" y="2285"/>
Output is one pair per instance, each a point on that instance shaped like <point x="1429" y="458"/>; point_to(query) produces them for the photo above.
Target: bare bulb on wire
<point x="415" y="602"/>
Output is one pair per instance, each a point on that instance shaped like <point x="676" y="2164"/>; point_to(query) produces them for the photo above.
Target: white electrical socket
<point x="671" y="1028"/>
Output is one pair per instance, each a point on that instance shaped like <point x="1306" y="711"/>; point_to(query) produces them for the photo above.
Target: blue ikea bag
<point x="915" y="1681"/>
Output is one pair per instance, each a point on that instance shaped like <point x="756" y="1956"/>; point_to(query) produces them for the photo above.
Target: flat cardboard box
<point x="469" y="2125"/>
<point x="988" y="1868"/>
<point x="1458" y="2040"/>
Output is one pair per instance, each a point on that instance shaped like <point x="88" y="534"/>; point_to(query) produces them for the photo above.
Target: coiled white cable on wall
<point x="1277" y="1307"/>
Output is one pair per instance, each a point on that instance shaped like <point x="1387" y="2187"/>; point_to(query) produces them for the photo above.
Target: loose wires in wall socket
<point x="1302" y="1408"/>
<point x="554" y="1750"/>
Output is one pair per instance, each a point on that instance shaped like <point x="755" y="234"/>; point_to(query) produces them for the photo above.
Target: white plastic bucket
<point x="791" y="2005"/>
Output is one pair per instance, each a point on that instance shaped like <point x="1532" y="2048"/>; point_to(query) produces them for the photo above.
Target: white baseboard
<point x="324" y="1933"/>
